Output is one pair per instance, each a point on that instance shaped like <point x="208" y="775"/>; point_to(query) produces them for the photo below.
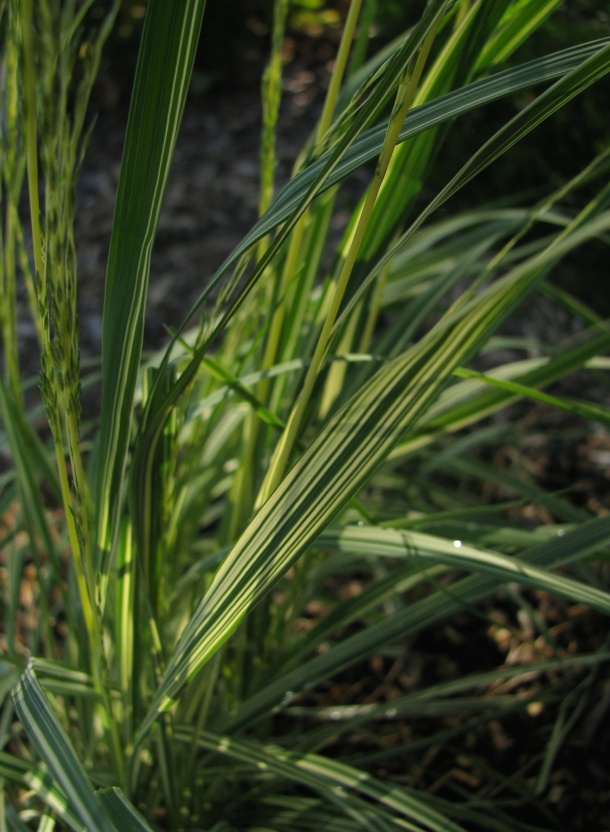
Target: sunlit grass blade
<point x="392" y="543"/>
<point x="327" y="171"/>
<point x="558" y="95"/>
<point x="233" y="383"/>
<point x="405" y="95"/>
<point x="127" y="634"/>
<point x="594" y="413"/>
<point x="452" y="68"/>
<point x="426" y="116"/>
<point x="515" y="27"/>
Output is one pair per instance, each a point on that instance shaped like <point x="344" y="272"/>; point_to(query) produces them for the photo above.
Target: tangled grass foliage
<point x="300" y="428"/>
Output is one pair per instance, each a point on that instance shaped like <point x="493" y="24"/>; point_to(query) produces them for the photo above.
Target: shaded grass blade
<point x="21" y="443"/>
<point x="124" y="816"/>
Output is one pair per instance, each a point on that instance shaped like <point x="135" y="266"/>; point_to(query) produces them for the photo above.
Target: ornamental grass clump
<point x="303" y="428"/>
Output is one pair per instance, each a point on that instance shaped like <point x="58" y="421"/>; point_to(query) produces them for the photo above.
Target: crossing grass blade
<point x="42" y="783"/>
<point x="446" y="696"/>
<point x="548" y="102"/>
<point x="587" y="411"/>
<point x="298" y="195"/>
<point x="123" y="814"/>
<point x="468" y="401"/>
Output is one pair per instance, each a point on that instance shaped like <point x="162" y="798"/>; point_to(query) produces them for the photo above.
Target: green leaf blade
<point x="164" y="68"/>
<point x="54" y="747"/>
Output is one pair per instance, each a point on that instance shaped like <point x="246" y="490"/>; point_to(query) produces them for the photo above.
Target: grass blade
<point x="330" y="778"/>
<point x="164" y="68"/>
<point x="367" y="146"/>
<point x="125" y="817"/>
<point x="455" y="554"/>
<point x="52" y="743"/>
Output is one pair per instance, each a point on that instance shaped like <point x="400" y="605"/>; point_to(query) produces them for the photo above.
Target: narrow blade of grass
<point x="331" y="779"/>
<point x="165" y="63"/>
<point x="52" y="743"/>
<point x="392" y="543"/>
<point x="124" y="816"/>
